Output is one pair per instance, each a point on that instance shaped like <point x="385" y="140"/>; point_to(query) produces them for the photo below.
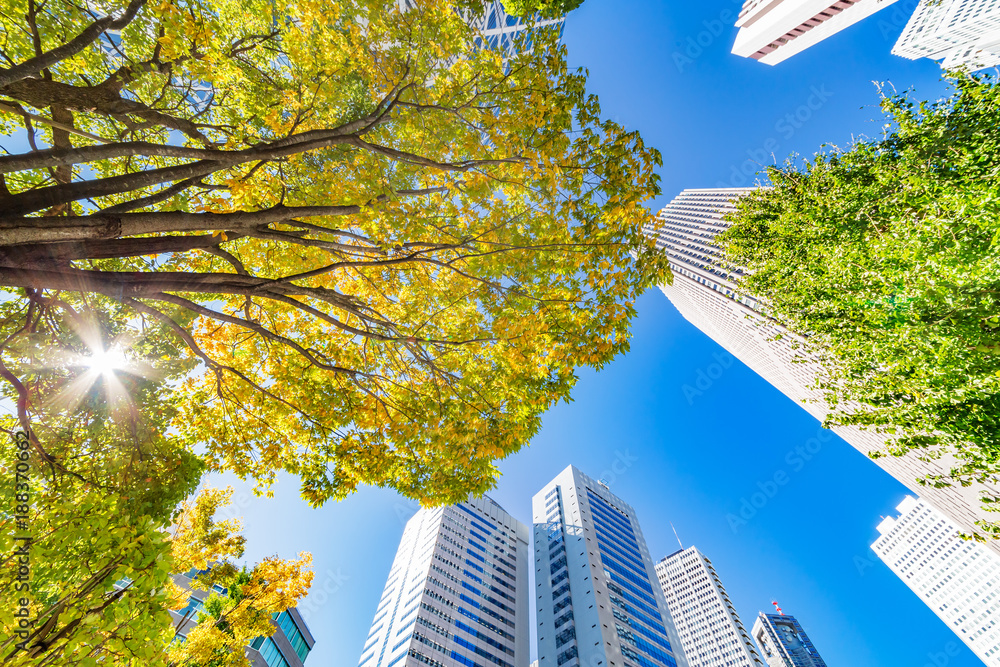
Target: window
<point x="567" y="635"/>
<point x="294" y="635"/>
<point x="269" y="651"/>
<point x="567" y="655"/>
<point x="193" y="607"/>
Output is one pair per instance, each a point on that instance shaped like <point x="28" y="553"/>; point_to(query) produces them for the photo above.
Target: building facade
<point x="289" y="646"/>
<point x="784" y="643"/>
<point x="958" y="579"/>
<point x="959" y="33"/>
<point x="709" y="628"/>
<point x="457" y="593"/>
<point x="774" y="30"/>
<point x="497" y="29"/>
<point x="705" y="293"/>
<point x="598" y="600"/>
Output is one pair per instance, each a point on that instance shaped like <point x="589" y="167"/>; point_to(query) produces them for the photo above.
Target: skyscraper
<point x="289" y="646"/>
<point x="958" y="579"/>
<point x="784" y="643"/>
<point x="705" y="294"/>
<point x="960" y="33"/>
<point x="774" y="30"/>
<point x="709" y="628"/>
<point x="457" y="593"/>
<point x="499" y="28"/>
<point x="598" y="600"/>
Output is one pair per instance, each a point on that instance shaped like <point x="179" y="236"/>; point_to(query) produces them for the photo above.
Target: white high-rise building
<point x="774" y="30"/>
<point x="598" y="600"/>
<point x="705" y="294"/>
<point x="960" y="33"/>
<point x="710" y="630"/>
<point x="958" y="579"/>
<point x="457" y="593"/>
<point x="784" y="643"/>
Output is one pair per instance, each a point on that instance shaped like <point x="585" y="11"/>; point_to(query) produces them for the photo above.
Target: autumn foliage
<point x="335" y="239"/>
<point x="387" y="249"/>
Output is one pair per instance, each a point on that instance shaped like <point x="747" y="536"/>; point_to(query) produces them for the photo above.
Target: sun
<point x="106" y="362"/>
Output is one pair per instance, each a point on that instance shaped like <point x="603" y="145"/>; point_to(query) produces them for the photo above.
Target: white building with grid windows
<point x="598" y="600"/>
<point x="457" y="593"/>
<point x="958" y="579"/>
<point x="959" y="33"/>
<point x="709" y="628"/>
<point x="705" y="294"/>
<point x="774" y="30"/>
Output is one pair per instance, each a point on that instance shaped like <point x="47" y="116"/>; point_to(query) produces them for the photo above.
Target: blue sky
<point x="683" y="458"/>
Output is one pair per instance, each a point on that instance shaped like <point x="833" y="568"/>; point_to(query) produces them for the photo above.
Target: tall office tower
<point x="958" y="579"/>
<point x="960" y="33"/>
<point x="599" y="604"/>
<point x="704" y="293"/>
<point x="289" y="646"/>
<point x="774" y="30"/>
<point x="710" y="630"/>
<point x="498" y="28"/>
<point x="457" y="593"/>
<point x="784" y="643"/>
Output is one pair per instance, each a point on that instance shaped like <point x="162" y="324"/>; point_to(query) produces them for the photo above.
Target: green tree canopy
<point x="886" y="256"/>
<point x="385" y="250"/>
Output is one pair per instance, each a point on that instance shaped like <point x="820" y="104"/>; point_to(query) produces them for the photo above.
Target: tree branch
<point x="34" y="66"/>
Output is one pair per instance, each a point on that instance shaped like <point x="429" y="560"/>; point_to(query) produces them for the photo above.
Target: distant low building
<point x="774" y="30"/>
<point x="959" y="33"/>
<point x="959" y="580"/>
<point x="289" y="646"/>
<point x="784" y="643"/>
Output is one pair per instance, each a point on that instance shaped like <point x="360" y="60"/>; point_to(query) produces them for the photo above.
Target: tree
<point x="90" y="529"/>
<point x="100" y="583"/>
<point x="885" y="256"/>
<point x="545" y="8"/>
<point x="387" y="250"/>
<point x="232" y="620"/>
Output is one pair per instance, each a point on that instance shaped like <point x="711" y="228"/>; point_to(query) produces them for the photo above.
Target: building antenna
<point x="675" y="534"/>
<point x="780" y="613"/>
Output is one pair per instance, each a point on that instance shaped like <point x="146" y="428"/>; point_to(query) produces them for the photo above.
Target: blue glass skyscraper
<point x="598" y="599"/>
